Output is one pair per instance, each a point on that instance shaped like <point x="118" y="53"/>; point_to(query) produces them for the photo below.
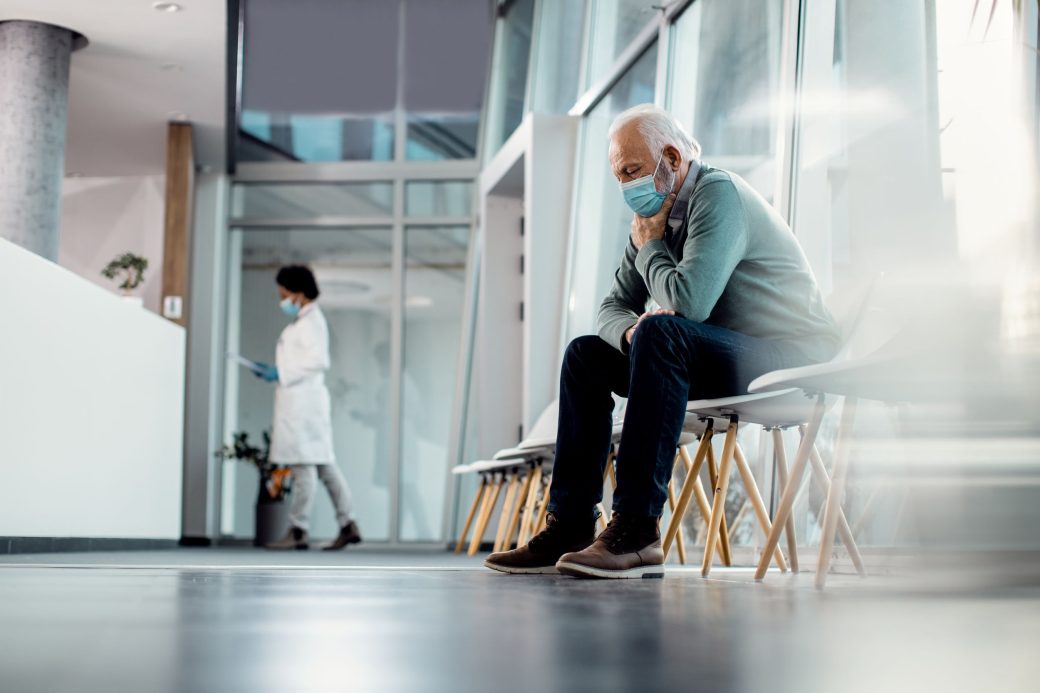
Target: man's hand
<point x="649" y="228"/>
<point x="631" y="332"/>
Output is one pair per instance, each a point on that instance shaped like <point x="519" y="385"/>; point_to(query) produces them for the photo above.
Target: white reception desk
<point x="91" y="408"/>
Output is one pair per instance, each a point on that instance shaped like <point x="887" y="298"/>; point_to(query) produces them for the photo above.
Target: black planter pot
<point x="272" y="521"/>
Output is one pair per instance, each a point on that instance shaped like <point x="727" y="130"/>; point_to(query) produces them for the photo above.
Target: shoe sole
<point x="585" y="571"/>
<point x="512" y="570"/>
<point x="340" y="548"/>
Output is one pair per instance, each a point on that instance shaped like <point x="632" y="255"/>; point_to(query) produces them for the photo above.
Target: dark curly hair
<point x="299" y="280"/>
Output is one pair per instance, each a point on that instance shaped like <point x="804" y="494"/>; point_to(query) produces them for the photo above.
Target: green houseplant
<point x="272" y="512"/>
<point x="128" y="267"/>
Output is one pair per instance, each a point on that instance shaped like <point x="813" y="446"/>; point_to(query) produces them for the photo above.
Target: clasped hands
<point x="631" y="332"/>
<point x="651" y="228"/>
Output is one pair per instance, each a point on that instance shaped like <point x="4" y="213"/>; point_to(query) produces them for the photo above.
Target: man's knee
<point x="656" y="330"/>
<point x="581" y="348"/>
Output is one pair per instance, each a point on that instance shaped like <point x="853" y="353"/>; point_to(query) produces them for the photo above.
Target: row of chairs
<point x="795" y="398"/>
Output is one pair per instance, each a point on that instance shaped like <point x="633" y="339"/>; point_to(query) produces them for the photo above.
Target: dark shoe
<point x="545" y="548"/>
<point x="295" y="538"/>
<point x="629" y="547"/>
<point x="348" y="535"/>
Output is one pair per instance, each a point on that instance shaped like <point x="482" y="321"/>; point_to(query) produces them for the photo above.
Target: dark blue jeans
<point x="671" y="360"/>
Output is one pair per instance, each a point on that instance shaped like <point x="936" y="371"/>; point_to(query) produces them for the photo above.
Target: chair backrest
<point x="865" y="319"/>
<point x="545" y="424"/>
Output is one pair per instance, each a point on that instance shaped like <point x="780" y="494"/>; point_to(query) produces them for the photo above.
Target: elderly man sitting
<point x="737" y="299"/>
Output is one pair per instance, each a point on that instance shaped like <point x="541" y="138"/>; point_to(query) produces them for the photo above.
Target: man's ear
<point x="674" y="157"/>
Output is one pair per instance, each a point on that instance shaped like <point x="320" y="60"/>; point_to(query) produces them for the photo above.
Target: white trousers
<point x="305" y="480"/>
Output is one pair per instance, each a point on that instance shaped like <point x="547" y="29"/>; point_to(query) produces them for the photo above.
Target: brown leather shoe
<point x="350" y="534"/>
<point x="540" y="554"/>
<point x="295" y="538"/>
<point x="630" y="547"/>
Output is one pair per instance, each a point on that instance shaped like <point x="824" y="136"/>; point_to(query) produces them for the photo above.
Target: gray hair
<point x="659" y="129"/>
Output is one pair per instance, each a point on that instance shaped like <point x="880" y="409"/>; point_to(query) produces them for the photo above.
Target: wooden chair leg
<point x="671" y="508"/>
<point x="543" y="509"/>
<point x="602" y="519"/>
<point x="686" y="491"/>
<point x="518" y="506"/>
<point x="713" y="476"/>
<point x="848" y="536"/>
<point x="529" y="506"/>
<point x="485" y="516"/>
<point x="755" y="498"/>
<point x="507" y="509"/>
<point x="837" y="490"/>
<point x="780" y="455"/>
<point x="611" y="472"/>
<point x="718" y="508"/>
<point x="471" y="514"/>
<point x="794" y="480"/>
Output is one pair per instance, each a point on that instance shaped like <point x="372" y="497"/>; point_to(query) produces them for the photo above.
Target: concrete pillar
<point x="34" y="96"/>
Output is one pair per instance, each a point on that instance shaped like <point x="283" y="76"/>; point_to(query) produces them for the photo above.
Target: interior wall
<point x="105" y="217"/>
<point x="91" y="410"/>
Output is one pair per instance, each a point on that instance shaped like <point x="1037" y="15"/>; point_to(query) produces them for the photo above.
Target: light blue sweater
<point x="727" y="259"/>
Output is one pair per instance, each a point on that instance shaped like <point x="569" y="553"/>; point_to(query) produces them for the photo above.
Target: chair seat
<point x="693" y="428"/>
<point x="520" y="454"/>
<point x="537" y="443"/>
<point x="883" y="377"/>
<point x="495" y="465"/>
<point x="462" y="469"/>
<point x="790" y="407"/>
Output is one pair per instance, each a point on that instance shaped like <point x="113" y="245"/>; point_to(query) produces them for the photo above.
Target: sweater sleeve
<point x="716" y="242"/>
<point x="625" y="302"/>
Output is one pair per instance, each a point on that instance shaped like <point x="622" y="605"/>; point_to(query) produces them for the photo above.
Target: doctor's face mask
<point x="289" y="307"/>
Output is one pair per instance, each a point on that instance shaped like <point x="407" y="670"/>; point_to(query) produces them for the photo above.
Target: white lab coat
<point x="302" y="413"/>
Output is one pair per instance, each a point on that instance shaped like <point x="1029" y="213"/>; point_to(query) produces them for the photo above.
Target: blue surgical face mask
<point x="289" y="308"/>
<point x="641" y="194"/>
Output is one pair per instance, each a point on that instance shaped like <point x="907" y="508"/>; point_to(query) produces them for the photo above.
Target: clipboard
<point x="244" y="362"/>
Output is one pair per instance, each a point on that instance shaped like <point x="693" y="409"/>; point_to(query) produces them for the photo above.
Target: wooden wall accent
<point x="180" y="188"/>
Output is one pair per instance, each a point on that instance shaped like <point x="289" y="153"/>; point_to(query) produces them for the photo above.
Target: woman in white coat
<point x="302" y="431"/>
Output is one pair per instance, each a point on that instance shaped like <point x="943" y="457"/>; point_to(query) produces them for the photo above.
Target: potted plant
<point x="272" y="512"/>
<point x="130" y="268"/>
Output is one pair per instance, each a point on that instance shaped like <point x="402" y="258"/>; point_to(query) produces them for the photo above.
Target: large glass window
<point x="319" y="80"/>
<point x="869" y="132"/>
<point x="326" y="80"/>
<point x="446" y="48"/>
<point x="444" y="198"/>
<point x="435" y="273"/>
<point x="613" y="26"/>
<point x="558" y="55"/>
<point x="724" y="84"/>
<point x="308" y="200"/>
<point x="602" y="222"/>
<point x="508" y="92"/>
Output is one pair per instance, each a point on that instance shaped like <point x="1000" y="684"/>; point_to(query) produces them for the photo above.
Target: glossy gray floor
<point x="239" y="620"/>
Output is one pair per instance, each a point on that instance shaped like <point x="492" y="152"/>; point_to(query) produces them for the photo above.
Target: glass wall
<point x="894" y="136"/>
<point x="435" y="276"/>
<point x="724" y="84"/>
<point x="358" y="140"/>
<point x="362" y="80"/>
<point x="602" y="220"/>
<point x="507" y="94"/>
<point x="392" y="283"/>
<point x="353" y="267"/>
<point x="612" y="26"/>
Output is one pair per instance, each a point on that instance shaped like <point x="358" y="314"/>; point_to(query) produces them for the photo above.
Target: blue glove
<point x="265" y="372"/>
